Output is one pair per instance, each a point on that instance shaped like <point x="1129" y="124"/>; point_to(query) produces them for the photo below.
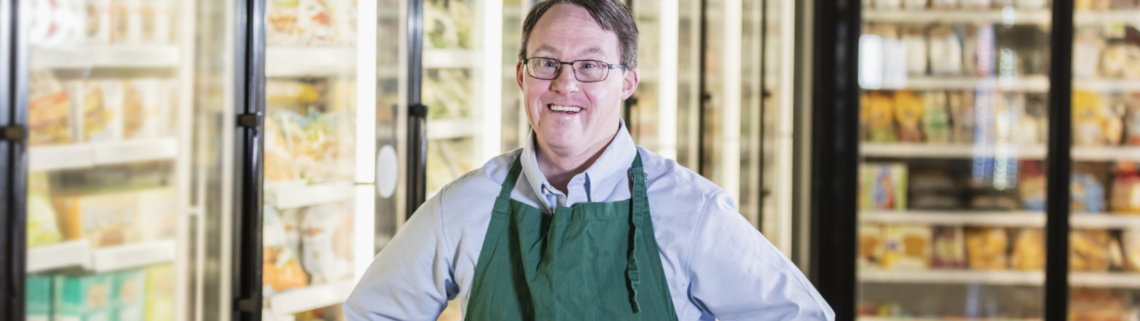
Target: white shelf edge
<point x="977" y="218"/>
<point x="61" y="255"/>
<point x="1106" y="84"/>
<point x="313" y="297"/>
<point x="923" y="150"/>
<point x="294" y="196"/>
<point x="281" y="61"/>
<point x="1003" y="277"/>
<point x="449" y="58"/>
<point x="132" y="255"/>
<point x="1021" y="16"/>
<point x="1115" y="280"/>
<point x="450" y="128"/>
<point x="86" y="155"/>
<point x="132" y="56"/>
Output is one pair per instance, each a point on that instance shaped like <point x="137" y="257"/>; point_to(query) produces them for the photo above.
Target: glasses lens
<point x="542" y="68"/>
<point x="590" y="70"/>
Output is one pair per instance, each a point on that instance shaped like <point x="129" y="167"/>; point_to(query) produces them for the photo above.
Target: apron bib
<point x="593" y="261"/>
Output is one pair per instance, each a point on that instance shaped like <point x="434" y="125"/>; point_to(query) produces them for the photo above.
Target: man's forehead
<point x="568" y="29"/>
<point x="546" y="48"/>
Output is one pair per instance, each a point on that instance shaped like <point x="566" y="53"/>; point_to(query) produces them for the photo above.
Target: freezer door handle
<point x="247" y="305"/>
<point x="14" y="133"/>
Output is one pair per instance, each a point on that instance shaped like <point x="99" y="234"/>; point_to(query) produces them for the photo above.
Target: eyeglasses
<point x="584" y="70"/>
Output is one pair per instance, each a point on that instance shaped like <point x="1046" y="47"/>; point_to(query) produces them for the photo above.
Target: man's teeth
<point x="565" y="108"/>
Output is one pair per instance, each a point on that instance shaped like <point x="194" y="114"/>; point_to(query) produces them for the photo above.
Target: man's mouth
<point x="563" y="109"/>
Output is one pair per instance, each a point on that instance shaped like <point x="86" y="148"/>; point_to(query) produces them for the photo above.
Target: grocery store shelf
<point x="450" y="128"/>
<point x="449" y="58"/>
<point x="921" y="150"/>
<point x="297" y="195"/>
<point x="309" y="61"/>
<point x="1105" y="220"/>
<point x="305" y="299"/>
<point x="1024" y="83"/>
<point x="48" y="158"/>
<point x="1107" y="85"/>
<point x="1104" y="17"/>
<point x="1113" y="153"/>
<point x="939" y="319"/>
<point x="1115" y="280"/>
<point x="972" y="218"/>
<point x="956" y="15"/>
<point x="62" y="255"/>
<point x="134" y="255"/>
<point x="952" y="277"/>
<point x="105" y="56"/>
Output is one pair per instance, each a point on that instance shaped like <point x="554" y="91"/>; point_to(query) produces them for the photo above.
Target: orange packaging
<point x="103" y="219"/>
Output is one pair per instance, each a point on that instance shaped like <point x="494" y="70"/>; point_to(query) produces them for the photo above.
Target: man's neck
<point x="560" y="166"/>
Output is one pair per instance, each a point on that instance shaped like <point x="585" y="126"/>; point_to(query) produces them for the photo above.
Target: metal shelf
<point x="105" y="56"/>
<point x="290" y="195"/>
<point x="50" y="158"/>
<point x="309" y="61"/>
<point x="313" y="297"/>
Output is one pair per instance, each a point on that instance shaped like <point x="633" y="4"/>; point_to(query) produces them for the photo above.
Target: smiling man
<point x="581" y="224"/>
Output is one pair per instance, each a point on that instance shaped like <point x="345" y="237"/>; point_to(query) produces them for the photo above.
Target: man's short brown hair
<point x="611" y="15"/>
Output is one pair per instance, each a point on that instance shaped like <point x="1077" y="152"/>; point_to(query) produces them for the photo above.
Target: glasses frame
<point x="558" y="70"/>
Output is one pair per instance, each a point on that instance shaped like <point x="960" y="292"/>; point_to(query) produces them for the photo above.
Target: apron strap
<point x="639" y="202"/>
<point x="503" y="202"/>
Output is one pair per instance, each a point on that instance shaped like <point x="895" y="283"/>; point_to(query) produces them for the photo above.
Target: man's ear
<point x="519" y="73"/>
<point x="630" y="78"/>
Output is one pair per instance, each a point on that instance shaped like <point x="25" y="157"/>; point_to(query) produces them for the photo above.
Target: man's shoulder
<point x="481" y="183"/>
<point x="664" y="174"/>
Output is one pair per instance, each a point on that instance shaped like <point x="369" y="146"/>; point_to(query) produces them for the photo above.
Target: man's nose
<point x="565" y="84"/>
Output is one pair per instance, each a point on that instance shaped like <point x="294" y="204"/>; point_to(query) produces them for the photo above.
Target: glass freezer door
<point x="953" y="124"/>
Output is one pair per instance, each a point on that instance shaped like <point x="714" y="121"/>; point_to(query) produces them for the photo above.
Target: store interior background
<point x="244" y="160"/>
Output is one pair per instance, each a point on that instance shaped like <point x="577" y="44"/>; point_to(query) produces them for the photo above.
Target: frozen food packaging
<point x="949" y="248"/>
<point x="128" y="293"/>
<point x="43" y="226"/>
<point x="49" y="111"/>
<point x="1028" y="250"/>
<point x="104" y="219"/>
<point x="986" y="248"/>
<point x="883" y="186"/>
<point x="38" y="297"/>
<point x="871" y="245"/>
<point x="82" y="297"/>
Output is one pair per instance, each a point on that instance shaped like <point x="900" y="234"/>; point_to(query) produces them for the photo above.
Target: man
<point x="581" y="224"/>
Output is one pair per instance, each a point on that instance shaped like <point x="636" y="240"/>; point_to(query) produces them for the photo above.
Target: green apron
<point x="593" y="261"/>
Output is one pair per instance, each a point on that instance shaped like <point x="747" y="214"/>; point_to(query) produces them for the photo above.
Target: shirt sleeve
<point x="411" y="278"/>
<point x="737" y="274"/>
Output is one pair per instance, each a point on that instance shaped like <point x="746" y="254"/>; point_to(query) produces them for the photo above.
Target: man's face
<point x="568" y="33"/>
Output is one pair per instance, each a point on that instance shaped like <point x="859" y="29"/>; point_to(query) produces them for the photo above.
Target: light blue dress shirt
<point x="717" y="265"/>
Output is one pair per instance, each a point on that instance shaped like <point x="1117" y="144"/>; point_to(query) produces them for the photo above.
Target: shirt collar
<point x="608" y="170"/>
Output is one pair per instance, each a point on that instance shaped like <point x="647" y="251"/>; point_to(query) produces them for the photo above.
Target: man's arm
<point x="411" y="279"/>
<point x="738" y="275"/>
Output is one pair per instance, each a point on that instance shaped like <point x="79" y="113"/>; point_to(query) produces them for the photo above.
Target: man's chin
<point x="563" y="141"/>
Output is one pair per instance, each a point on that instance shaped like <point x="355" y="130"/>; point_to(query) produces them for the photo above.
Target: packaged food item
<point x="1087" y="193"/>
<point x="1028" y="250"/>
<point x="961" y="106"/>
<point x="1125" y="196"/>
<point x="1087" y="117"/>
<point x="278" y="165"/>
<point x="915" y="4"/>
<point x="1112" y="120"/>
<point x="945" y="50"/>
<point x="1089" y="250"/>
<point x="1032" y="186"/>
<point x="1087" y="48"/>
<point x="97" y="21"/>
<point x="1132" y="118"/>
<point x="880" y="117"/>
<point x="914" y="40"/>
<point x="1121" y="60"/>
<point x="37" y="296"/>
<point x="104" y="219"/>
<point x="280" y="269"/>
<point x="43" y="228"/>
<point x="320" y="242"/>
<point x="142" y="108"/>
<point x="82" y="297"/>
<point x="157" y="213"/>
<point x="871" y="245"/>
<point x="155" y="21"/>
<point x="935" y="118"/>
<point x="282" y="18"/>
<point x="345" y="21"/>
<point x="127" y="22"/>
<point x="908" y="247"/>
<point x="49" y="114"/>
<point x="127" y="291"/>
<point x="1099" y="304"/>
<point x="55" y="23"/>
<point x="949" y="249"/>
<point x="884" y="186"/>
<point x="944" y="4"/>
<point x="1131" y="247"/>
<point x="908" y="114"/>
<point x="986" y="248"/>
<point x="314" y="23"/>
<point x="933" y="190"/>
<point x="160" y="292"/>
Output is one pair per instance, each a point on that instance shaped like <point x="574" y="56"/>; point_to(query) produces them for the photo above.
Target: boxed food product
<point x="98" y="106"/>
<point x="160" y="292"/>
<point x="1087" y="48"/>
<point x="313" y="22"/>
<point x="142" y="108"/>
<point x="1089" y="250"/>
<point x="1087" y="117"/>
<point x="883" y="186"/>
<point x="325" y="243"/>
<point x="949" y="249"/>
<point x="1132" y="118"/>
<point x="127" y="291"/>
<point x="43" y="226"/>
<point x="49" y="114"/>
<point x="37" y="298"/>
<point x="282" y="18"/>
<point x="154" y="21"/>
<point x="1125" y="189"/>
<point x="871" y="245"/>
<point x="1131" y="248"/>
<point x="879" y="108"/>
<point x="82" y="297"/>
<point x="345" y="21"/>
<point x="962" y="116"/>
<point x="1099" y="304"/>
<point x="945" y="51"/>
<point x="127" y="24"/>
<point x="280" y="269"/>
<point x="1121" y="61"/>
<point x="1032" y="186"/>
<point x="1028" y="250"/>
<point x="914" y="39"/>
<point x="104" y="219"/>
<point x="986" y="248"/>
<point x="54" y="23"/>
<point x="908" y="114"/>
<point x="935" y="118"/>
<point x="908" y="247"/>
<point x="157" y="213"/>
<point x="97" y="21"/>
<point x="278" y="162"/>
<point x="1087" y="193"/>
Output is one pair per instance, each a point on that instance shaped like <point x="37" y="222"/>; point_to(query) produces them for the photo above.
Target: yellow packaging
<point x="43" y="228"/>
<point x="871" y="245"/>
<point x="1089" y="250"/>
<point x="49" y="114"/>
<point x="1087" y="118"/>
<point x="103" y="219"/>
<point x="160" y="293"/>
<point x="142" y="107"/>
<point x="986" y="248"/>
<point x="98" y="106"/>
<point x="1028" y="250"/>
<point x="880" y="117"/>
<point x="908" y="247"/>
<point x="908" y="113"/>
